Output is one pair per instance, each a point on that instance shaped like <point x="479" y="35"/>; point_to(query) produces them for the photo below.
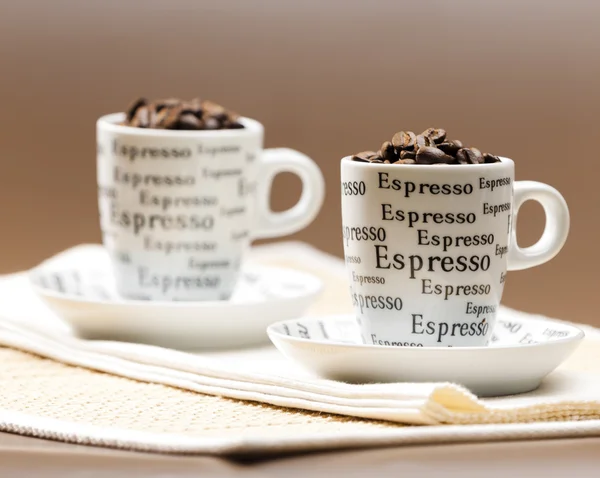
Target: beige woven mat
<point x="47" y="399"/>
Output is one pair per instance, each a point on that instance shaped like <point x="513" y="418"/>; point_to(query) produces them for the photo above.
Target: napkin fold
<point x="264" y="375"/>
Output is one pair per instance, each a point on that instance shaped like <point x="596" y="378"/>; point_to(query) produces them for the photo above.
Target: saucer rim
<point x="577" y="337"/>
<point x="316" y="288"/>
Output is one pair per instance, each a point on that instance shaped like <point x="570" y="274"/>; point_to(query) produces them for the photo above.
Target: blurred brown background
<point x="518" y="78"/>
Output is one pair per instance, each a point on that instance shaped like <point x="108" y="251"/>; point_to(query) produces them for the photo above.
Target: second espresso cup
<point x="427" y="248"/>
<point x="179" y="209"/>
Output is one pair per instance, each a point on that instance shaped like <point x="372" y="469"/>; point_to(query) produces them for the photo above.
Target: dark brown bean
<point x="167" y="117"/>
<point x="376" y="158"/>
<point x="437" y="135"/>
<point x="189" y="121"/>
<point x="167" y="103"/>
<point x="404" y="140"/>
<point x="423" y="141"/>
<point x="478" y="155"/>
<point x="364" y="156"/>
<point x="490" y="158"/>
<point x="469" y="156"/>
<point x="407" y="155"/>
<point x="387" y="151"/>
<point x="450" y="147"/>
<point x="141" y="118"/>
<point x="432" y="155"/>
<point x="133" y="107"/>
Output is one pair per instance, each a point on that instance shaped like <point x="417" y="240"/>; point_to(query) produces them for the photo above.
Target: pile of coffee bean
<point x="173" y="113"/>
<point x="429" y="147"/>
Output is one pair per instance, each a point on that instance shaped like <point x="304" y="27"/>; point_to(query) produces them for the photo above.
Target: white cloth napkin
<point x="264" y="375"/>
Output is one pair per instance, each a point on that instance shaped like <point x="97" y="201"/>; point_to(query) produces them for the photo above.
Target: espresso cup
<point x="179" y="209"/>
<point x="427" y="247"/>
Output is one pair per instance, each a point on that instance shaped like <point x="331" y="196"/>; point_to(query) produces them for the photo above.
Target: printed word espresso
<point x="415" y="263"/>
<point x="437" y="329"/>
<point x="166" y="283"/>
<point x="409" y="188"/>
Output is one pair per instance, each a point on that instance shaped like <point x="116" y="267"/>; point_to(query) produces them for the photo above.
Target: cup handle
<point x="279" y="160"/>
<point x="556" y="230"/>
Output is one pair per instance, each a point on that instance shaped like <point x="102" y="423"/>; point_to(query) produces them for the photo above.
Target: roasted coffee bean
<point x="364" y="156"/>
<point x="388" y="151"/>
<point x="193" y="108"/>
<point x="469" y="156"/>
<point x="376" y="158"/>
<point x="189" y="121"/>
<point x="167" y="103"/>
<point x="432" y="155"/>
<point x="133" y="107"/>
<point x="404" y="140"/>
<point x="407" y="155"/>
<point x="462" y="157"/>
<point x="406" y="161"/>
<point x="167" y="117"/>
<point x="490" y="158"/>
<point x="211" y="123"/>
<point x="478" y="155"/>
<point x="423" y="141"/>
<point x="214" y="110"/>
<point x="450" y="147"/>
<point x="437" y="135"/>
<point x="235" y="125"/>
<point x="141" y="118"/>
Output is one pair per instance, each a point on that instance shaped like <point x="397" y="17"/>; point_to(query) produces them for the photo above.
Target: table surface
<point x="24" y="456"/>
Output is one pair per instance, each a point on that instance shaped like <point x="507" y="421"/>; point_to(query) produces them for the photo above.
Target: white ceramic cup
<point x="178" y="209"/>
<point x="427" y="247"/>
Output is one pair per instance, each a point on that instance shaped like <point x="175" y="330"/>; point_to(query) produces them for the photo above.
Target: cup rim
<point x="442" y="167"/>
<point x="109" y="123"/>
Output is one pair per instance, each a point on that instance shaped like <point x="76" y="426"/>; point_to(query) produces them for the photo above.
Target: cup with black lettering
<point x="427" y="248"/>
<point x="179" y="209"/>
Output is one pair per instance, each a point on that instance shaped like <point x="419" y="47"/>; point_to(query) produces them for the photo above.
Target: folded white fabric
<point x="264" y="375"/>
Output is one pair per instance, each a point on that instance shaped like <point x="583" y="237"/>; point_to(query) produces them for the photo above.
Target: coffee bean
<point x="406" y="161"/>
<point x="423" y="141"/>
<point x="364" y="156"/>
<point x="141" y="118"/>
<point x="461" y="156"/>
<point x="388" y="151"/>
<point x="376" y="158"/>
<point x="469" y="156"/>
<point x="133" y="107"/>
<point x="437" y="135"/>
<point x="407" y="155"/>
<point x="189" y="121"/>
<point x="404" y="140"/>
<point x="211" y="123"/>
<point x="478" y="155"/>
<point x="450" y="147"/>
<point x="167" y="117"/>
<point x="432" y="155"/>
<point x="490" y="158"/>
<point x="235" y="125"/>
<point x="167" y="103"/>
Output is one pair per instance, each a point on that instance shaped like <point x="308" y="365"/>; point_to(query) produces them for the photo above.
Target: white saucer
<point x="78" y="286"/>
<point x="522" y="352"/>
